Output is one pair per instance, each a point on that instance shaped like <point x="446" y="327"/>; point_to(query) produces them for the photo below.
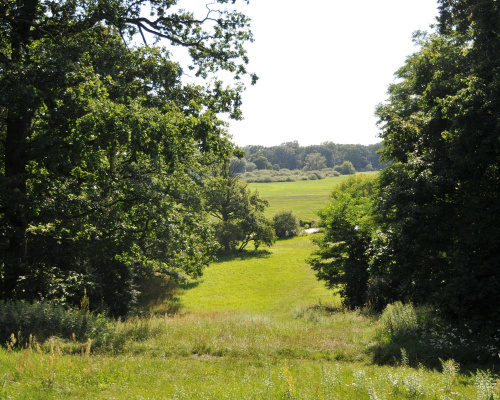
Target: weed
<point x="290" y="392"/>
<point x="486" y="385"/>
<point x="450" y="372"/>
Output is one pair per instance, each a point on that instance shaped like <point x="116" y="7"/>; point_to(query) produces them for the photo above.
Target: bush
<point x="427" y="337"/>
<point x="307" y="223"/>
<point x="399" y="318"/>
<point x="346" y="168"/>
<point x="19" y="320"/>
<point x="285" y="224"/>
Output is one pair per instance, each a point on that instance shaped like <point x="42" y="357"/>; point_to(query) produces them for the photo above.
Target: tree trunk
<point x="18" y="124"/>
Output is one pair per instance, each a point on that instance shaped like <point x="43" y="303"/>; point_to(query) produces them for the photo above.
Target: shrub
<point x="285" y="224"/>
<point x="307" y="223"/>
<point x="399" y="318"/>
<point x="427" y="337"/>
<point x="346" y="168"/>
<point x="19" y="320"/>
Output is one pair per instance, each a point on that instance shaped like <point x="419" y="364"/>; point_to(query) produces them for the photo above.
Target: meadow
<point x="303" y="198"/>
<point x="257" y="325"/>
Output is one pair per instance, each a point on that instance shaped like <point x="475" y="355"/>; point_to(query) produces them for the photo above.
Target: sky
<point x="323" y="66"/>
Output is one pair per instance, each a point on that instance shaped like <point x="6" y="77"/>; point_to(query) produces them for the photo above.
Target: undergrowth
<point x="427" y="338"/>
<point x="22" y="323"/>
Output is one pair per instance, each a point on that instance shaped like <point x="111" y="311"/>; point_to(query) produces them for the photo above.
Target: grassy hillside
<point x="270" y="281"/>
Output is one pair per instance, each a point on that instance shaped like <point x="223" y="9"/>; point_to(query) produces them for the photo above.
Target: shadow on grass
<point x="414" y="350"/>
<point x="243" y="255"/>
<point x="190" y="285"/>
<point x="159" y="296"/>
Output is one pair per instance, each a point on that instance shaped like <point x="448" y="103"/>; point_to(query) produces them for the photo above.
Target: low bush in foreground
<point x="22" y="323"/>
<point x="426" y="338"/>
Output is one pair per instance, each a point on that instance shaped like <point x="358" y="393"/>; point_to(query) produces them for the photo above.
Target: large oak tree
<point x="103" y="147"/>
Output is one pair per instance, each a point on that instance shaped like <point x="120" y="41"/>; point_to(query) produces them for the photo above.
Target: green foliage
<point x="104" y="149"/>
<point x="348" y="221"/>
<point x="399" y="318"/>
<point x="22" y="322"/>
<point x="346" y="168"/>
<point x="428" y="338"/>
<point x="326" y="155"/>
<point x="260" y="161"/>
<point x="286" y="175"/>
<point x="315" y="161"/>
<point x="239" y="213"/>
<point x="439" y="195"/>
<point x="285" y="224"/>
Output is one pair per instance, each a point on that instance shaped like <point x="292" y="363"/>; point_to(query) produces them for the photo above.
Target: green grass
<point x="302" y="198"/>
<point x="269" y="281"/>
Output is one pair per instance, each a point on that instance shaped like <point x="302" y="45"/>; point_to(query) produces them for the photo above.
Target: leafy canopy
<point x="103" y="148"/>
<point x="348" y="222"/>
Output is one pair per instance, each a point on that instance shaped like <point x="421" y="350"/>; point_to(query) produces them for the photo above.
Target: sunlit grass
<point x="272" y="280"/>
<point x="30" y="375"/>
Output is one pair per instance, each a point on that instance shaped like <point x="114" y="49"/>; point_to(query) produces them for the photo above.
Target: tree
<point x="103" y="148"/>
<point x="342" y="259"/>
<point x="239" y="213"/>
<point x="346" y="168"/>
<point x="285" y="224"/>
<point x="315" y="161"/>
<point x="440" y="192"/>
<point x="260" y="161"/>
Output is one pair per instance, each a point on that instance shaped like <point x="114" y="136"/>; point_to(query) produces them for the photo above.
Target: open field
<point x="257" y="326"/>
<point x="303" y="198"/>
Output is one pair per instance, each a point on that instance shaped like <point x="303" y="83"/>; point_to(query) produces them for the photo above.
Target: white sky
<point x="323" y="66"/>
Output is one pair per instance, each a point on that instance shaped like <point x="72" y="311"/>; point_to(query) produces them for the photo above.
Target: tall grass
<point x="22" y="323"/>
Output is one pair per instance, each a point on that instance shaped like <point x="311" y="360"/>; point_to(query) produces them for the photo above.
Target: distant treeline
<point x="292" y="156"/>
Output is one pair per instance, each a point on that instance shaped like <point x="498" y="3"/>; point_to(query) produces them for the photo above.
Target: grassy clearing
<point x="303" y="198"/>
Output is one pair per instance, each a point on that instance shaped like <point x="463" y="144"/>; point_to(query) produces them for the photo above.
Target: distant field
<point x="303" y="198"/>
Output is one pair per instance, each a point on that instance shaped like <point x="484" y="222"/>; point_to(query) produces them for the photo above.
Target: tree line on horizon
<point x="292" y="156"/>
